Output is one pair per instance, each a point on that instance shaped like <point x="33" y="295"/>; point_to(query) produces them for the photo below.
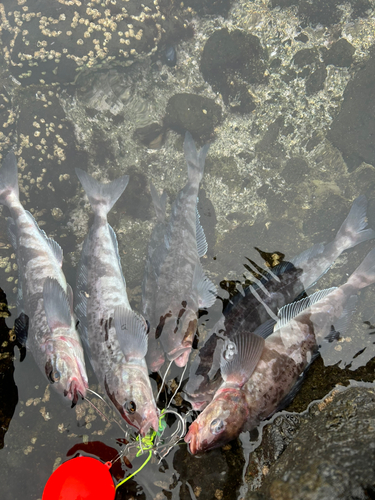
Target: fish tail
<point x="101" y="196"/>
<point x="159" y="202"/>
<point x="8" y="178"/>
<point x="353" y="229"/>
<point x="364" y="275"/>
<point x="194" y="159"/>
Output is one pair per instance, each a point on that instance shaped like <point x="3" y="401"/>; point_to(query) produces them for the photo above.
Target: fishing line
<point x="163" y="380"/>
<point x="109" y="420"/>
<point x="179" y="384"/>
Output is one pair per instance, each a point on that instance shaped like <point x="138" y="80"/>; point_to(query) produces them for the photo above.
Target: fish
<point x="254" y="386"/>
<point x="182" y="288"/>
<point x="260" y="302"/>
<point x="115" y="336"/>
<point x="45" y="322"/>
<point x="155" y="357"/>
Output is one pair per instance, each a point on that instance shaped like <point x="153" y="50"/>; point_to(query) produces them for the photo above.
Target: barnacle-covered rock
<point x="7" y="121"/>
<point x="51" y="41"/>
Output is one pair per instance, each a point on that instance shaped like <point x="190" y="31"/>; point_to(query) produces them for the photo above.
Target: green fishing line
<point x="147" y="444"/>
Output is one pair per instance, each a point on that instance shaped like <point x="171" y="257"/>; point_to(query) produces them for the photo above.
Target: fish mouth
<point x="192" y="439"/>
<point x="180" y="355"/>
<point x="76" y="389"/>
<point x="198" y="405"/>
<point x="151" y="420"/>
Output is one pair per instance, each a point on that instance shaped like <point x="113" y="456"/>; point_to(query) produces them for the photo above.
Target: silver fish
<point x="114" y="335"/>
<point x="255" y="384"/>
<point x="280" y="286"/>
<point x="45" y="300"/>
<point x="155" y="355"/>
<point x="182" y="287"/>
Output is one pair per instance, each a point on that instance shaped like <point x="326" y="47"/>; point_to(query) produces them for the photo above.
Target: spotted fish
<point x="45" y="300"/>
<point x="114" y="335"/>
<point x="181" y="285"/>
<point x="258" y="374"/>
<point x="280" y="286"/>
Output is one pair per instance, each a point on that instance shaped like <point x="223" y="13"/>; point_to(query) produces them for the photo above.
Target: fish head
<point x="134" y="400"/>
<point x="178" y="335"/>
<point x="64" y="366"/>
<point x="219" y="423"/>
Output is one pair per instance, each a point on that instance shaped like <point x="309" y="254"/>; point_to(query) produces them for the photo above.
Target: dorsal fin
<point x="200" y="236"/>
<point x="290" y="311"/>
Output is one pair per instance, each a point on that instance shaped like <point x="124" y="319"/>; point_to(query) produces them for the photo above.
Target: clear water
<point x="254" y="196"/>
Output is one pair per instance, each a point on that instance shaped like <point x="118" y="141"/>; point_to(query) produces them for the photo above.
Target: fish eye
<point x="54" y="376"/>
<point x="130" y="406"/>
<point x="217" y="426"/>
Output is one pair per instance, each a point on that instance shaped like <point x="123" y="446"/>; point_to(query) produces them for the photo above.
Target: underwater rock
<point x="231" y="58"/>
<point x="315" y="464"/>
<point x="323" y="12"/>
<point x="7" y="122"/>
<point x="295" y="171"/>
<point x="353" y="129"/>
<point x="305" y="57"/>
<point x="315" y="81"/>
<point x="210" y="7"/>
<point x="340" y="54"/>
<point x="46" y="42"/>
<point x="199" y="115"/>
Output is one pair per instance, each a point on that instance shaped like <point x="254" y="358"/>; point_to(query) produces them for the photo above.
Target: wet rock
<point x="7" y="121"/>
<point x="269" y="143"/>
<point x="210" y="7"/>
<point x="315" y="81"/>
<point x="212" y="484"/>
<point x="231" y="58"/>
<point x="323" y="12"/>
<point x="315" y="464"/>
<point x="305" y="57"/>
<point x="295" y="171"/>
<point x="302" y="37"/>
<point x="340" y="54"/>
<point x="46" y="42"/>
<point x="199" y="115"/>
<point x="353" y="129"/>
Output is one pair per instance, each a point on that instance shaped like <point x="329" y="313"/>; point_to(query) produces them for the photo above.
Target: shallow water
<point x="273" y="181"/>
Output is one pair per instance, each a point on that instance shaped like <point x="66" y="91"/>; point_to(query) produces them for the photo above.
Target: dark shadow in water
<point x="8" y="389"/>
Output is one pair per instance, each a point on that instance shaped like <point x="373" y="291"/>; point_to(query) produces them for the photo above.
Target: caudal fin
<point x="101" y="196"/>
<point x="364" y="275"/>
<point x="8" y="178"/>
<point x="194" y="159"/>
<point x="353" y="229"/>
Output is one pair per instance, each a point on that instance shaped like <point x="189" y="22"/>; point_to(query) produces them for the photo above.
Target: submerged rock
<point x="52" y="41"/>
<point x="199" y="115"/>
<point x="340" y="54"/>
<point x="231" y="58"/>
<point x="331" y="454"/>
<point x="353" y="129"/>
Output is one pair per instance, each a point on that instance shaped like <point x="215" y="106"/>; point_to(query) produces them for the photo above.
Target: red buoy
<point x="81" y="478"/>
